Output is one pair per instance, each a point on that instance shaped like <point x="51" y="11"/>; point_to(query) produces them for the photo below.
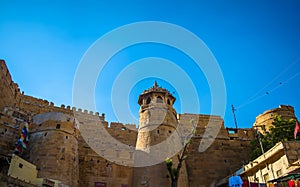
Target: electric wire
<point x="275" y="78"/>
<point x="256" y="96"/>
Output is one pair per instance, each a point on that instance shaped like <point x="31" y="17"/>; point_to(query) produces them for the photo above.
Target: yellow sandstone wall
<point x="98" y="165"/>
<point x="11" y="118"/>
<point x="63" y="154"/>
<point x="9" y="91"/>
<point x="225" y="155"/>
<point x="266" y="119"/>
<point x="11" y="123"/>
<point x="54" y="147"/>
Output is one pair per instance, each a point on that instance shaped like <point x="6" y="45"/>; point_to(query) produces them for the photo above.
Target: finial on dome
<point x="155" y="84"/>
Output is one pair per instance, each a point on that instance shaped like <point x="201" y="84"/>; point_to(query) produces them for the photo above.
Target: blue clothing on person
<point x="235" y="181"/>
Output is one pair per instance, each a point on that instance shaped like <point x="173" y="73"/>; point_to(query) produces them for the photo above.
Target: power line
<point x="256" y="97"/>
<point x="275" y="78"/>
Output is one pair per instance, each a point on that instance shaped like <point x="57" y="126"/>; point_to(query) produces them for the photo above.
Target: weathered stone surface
<point x="62" y="151"/>
<point x="267" y="118"/>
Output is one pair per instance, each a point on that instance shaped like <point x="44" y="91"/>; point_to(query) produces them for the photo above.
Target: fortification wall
<point x="10" y="92"/>
<point x="96" y="169"/>
<point x="224" y="156"/>
<point x="98" y="152"/>
<point x="12" y="118"/>
<point x="267" y="118"/>
<point x="53" y="147"/>
<point x="221" y="159"/>
<point x="64" y="154"/>
<point x="11" y="123"/>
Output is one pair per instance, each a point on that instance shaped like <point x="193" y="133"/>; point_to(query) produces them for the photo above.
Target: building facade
<point x="280" y="160"/>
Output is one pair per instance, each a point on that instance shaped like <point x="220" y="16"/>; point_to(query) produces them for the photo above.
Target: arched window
<point x="168" y="101"/>
<point x="148" y="100"/>
<point x="159" y="99"/>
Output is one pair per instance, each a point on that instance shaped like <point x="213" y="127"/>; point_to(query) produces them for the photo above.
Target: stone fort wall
<point x="60" y="152"/>
<point x="227" y="153"/>
<point x="266" y="119"/>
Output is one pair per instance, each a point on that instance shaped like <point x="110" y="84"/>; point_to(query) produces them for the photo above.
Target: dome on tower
<point x="161" y="95"/>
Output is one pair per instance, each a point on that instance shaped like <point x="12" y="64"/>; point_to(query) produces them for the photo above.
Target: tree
<point x="174" y="171"/>
<point x="280" y="131"/>
<point x="255" y="148"/>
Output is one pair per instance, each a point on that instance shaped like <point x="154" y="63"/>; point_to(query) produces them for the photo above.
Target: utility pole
<point x="233" y="112"/>
<point x="260" y="143"/>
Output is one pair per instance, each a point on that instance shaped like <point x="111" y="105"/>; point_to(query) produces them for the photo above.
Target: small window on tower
<point x="148" y="100"/>
<point x="57" y="126"/>
<point x="159" y="99"/>
<point x="168" y="101"/>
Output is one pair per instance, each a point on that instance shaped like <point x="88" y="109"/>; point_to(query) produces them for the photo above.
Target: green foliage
<point x="282" y="130"/>
<point x="255" y="149"/>
<point x="169" y="162"/>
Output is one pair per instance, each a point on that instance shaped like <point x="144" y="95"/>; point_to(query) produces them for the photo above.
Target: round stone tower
<point x="157" y="117"/>
<point x="53" y="147"/>
<point x="157" y="138"/>
<point x="266" y="119"/>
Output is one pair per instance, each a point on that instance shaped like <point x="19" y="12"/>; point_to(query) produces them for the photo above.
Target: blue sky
<point x="256" y="44"/>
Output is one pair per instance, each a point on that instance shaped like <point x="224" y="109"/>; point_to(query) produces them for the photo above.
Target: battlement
<point x="10" y="92"/>
<point x="44" y="105"/>
<point x="75" y="145"/>
<point x="195" y="116"/>
<point x="31" y="104"/>
<point x="199" y="120"/>
<point x="121" y="126"/>
<point x="4" y="72"/>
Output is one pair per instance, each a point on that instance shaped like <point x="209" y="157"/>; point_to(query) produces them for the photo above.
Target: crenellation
<point x="85" y="114"/>
<point x="46" y="102"/>
<point x="131" y="127"/>
<point x="36" y="106"/>
<point x="116" y="125"/>
<point x="61" y="152"/>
